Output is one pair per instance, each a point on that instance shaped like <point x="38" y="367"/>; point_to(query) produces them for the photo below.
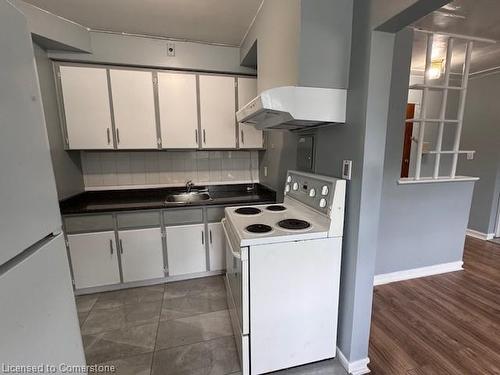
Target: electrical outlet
<point x="470" y="155"/>
<point x="170" y="49"/>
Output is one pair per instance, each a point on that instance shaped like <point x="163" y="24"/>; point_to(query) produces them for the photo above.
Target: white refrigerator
<point x="38" y="319"/>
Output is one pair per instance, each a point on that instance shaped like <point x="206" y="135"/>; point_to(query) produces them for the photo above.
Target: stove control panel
<point x="313" y="190"/>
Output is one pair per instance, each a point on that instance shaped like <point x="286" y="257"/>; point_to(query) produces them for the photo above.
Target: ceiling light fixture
<point x="436" y="69"/>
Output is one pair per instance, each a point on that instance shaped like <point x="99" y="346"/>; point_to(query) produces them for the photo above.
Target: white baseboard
<point x="414" y="273"/>
<point x="480" y="235"/>
<point x="358" y="367"/>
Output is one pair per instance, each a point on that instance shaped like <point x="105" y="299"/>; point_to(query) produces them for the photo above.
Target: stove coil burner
<point x="276" y="208"/>
<point x="248" y="211"/>
<point x="259" y="228"/>
<point x="294" y="224"/>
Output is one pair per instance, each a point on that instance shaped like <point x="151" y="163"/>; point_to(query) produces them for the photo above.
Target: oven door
<point x="237" y="279"/>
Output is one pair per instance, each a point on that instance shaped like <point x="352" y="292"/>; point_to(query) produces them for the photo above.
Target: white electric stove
<point x="283" y="274"/>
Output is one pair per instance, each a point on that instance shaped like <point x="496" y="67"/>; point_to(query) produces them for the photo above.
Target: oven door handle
<point x="235" y="254"/>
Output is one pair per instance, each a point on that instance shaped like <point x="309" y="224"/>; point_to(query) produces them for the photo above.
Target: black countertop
<point x="142" y="199"/>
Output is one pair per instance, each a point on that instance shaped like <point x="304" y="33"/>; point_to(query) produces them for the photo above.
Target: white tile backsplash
<point x="115" y="169"/>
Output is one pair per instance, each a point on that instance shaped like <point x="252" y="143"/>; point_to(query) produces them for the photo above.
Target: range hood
<point x="295" y="107"/>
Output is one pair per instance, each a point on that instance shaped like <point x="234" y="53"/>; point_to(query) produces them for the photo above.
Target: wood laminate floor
<point x="443" y="324"/>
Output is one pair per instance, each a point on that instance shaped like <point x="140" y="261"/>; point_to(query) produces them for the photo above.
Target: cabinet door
<point x="94" y="259"/>
<point x="186" y="249"/>
<point x="134" y="109"/>
<point x="216" y="247"/>
<point x="87" y="110"/>
<point x="141" y="254"/>
<point x="178" y="106"/>
<point x="217" y="112"/>
<point x="249" y="136"/>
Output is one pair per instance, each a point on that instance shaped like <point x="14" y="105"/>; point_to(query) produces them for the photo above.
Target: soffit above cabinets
<point x="216" y="21"/>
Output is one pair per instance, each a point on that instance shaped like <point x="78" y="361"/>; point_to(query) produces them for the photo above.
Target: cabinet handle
<point x="118" y="135"/>
<point x="121" y="247"/>
<point x="202" y="238"/>
<point x="109" y="138"/>
<point x="204" y="137"/>
<point x="111" y="246"/>
<point x="196" y="135"/>
<point x="210" y="235"/>
<point x="242" y="137"/>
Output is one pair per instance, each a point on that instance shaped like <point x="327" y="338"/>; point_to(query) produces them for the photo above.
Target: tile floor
<point x="175" y="328"/>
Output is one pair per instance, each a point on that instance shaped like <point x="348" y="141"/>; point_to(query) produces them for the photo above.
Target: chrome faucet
<point x="189" y="186"/>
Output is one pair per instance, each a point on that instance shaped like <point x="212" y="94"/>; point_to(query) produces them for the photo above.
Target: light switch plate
<point x="346" y="169"/>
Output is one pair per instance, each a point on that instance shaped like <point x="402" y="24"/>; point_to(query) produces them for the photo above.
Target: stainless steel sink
<point x="192" y="197"/>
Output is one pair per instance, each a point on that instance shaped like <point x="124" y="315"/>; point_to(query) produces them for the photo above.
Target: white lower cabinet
<point x="186" y="249"/>
<point x="94" y="259"/>
<point x="216" y="247"/>
<point x="141" y="253"/>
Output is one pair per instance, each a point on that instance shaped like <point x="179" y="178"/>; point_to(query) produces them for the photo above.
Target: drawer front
<point x="88" y="223"/>
<point x="183" y="216"/>
<point x="138" y="220"/>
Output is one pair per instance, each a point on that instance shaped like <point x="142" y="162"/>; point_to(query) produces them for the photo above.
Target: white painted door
<point x="216" y="247"/>
<point x="217" y="112"/>
<point x="249" y="136"/>
<point x="178" y="106"/>
<point x="86" y="107"/>
<point x="141" y="254"/>
<point x="186" y="249"/>
<point x="134" y="109"/>
<point x="94" y="259"/>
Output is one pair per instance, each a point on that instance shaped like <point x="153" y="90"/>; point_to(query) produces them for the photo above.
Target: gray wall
<point x="422" y="224"/>
<point x="325" y="43"/>
<point x="152" y="52"/>
<point x="481" y="132"/>
<point x="67" y="166"/>
<point x="54" y="32"/>
<point x="276" y="30"/>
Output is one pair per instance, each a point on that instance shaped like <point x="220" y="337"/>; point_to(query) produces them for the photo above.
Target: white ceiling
<point x="478" y="18"/>
<point x="213" y="21"/>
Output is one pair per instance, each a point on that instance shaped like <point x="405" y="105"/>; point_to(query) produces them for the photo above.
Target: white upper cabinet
<point x="178" y="107"/>
<point x="87" y="111"/>
<point x="249" y="136"/>
<point x="134" y="109"/>
<point x="217" y="112"/>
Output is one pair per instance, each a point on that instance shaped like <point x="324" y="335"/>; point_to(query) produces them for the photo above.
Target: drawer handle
<point x="118" y="135"/>
<point x="242" y="137"/>
<point x="111" y="246"/>
<point x="121" y="247"/>
<point x="202" y="238"/>
<point x="210" y="235"/>
<point x="109" y="137"/>
<point x="204" y="137"/>
<point x="196" y="135"/>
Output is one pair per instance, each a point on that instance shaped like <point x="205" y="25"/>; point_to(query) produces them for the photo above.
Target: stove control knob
<point x="322" y="203"/>
<point x="295" y="186"/>
<point x="287" y="188"/>
<point x="289" y="179"/>
<point x="324" y="190"/>
<point x="312" y="192"/>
